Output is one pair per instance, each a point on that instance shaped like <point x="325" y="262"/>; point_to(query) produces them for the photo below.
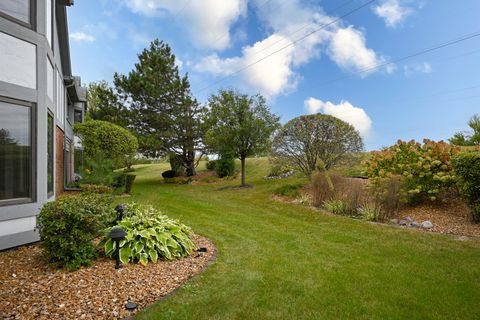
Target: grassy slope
<point x="282" y="261"/>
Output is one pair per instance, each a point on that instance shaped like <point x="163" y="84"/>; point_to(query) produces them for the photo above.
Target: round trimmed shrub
<point x="114" y="142"/>
<point x="68" y="225"/>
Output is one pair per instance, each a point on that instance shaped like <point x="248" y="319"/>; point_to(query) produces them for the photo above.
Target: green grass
<point x="284" y="261"/>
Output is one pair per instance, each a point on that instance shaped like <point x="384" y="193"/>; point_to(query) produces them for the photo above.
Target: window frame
<point x="32" y="17"/>
<point x="52" y="192"/>
<point x="33" y="153"/>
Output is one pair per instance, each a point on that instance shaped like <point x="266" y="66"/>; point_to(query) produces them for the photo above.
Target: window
<point x="15" y="150"/>
<point x="78" y="116"/>
<point x="50" y="75"/>
<point x="20" y="10"/>
<point x="60" y="102"/>
<point x="18" y="61"/>
<point x="49" y="21"/>
<point x="50" y="143"/>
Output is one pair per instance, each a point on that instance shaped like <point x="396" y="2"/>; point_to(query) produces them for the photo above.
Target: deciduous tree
<point x="239" y="125"/>
<point x="307" y="141"/>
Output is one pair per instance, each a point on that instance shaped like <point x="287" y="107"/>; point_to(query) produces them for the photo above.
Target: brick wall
<point x="59" y="138"/>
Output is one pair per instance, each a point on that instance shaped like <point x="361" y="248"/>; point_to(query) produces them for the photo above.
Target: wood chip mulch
<point x="451" y="217"/>
<point x="30" y="289"/>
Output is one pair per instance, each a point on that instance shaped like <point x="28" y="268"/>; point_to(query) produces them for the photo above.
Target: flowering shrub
<point x="426" y="168"/>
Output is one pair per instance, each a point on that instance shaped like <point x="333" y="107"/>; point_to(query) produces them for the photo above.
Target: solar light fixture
<point x="120" y="209"/>
<point x="117" y="234"/>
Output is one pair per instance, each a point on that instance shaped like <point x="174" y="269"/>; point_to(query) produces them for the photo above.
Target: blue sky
<point x="311" y="59"/>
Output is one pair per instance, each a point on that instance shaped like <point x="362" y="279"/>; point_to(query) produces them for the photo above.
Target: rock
<point x="415" y="224"/>
<point x="393" y="221"/>
<point x="408" y="219"/>
<point x="402" y="222"/>
<point x="427" y="225"/>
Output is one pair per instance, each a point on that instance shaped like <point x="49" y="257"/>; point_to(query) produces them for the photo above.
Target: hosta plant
<point x="150" y="236"/>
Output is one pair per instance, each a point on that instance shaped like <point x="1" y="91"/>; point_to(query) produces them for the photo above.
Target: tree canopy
<point x="468" y="138"/>
<point x="108" y="139"/>
<point x="307" y="141"/>
<point x="103" y="104"/>
<point x="239" y="125"/>
<point x="164" y="114"/>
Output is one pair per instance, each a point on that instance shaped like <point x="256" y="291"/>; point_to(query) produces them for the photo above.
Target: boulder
<point x="427" y="225"/>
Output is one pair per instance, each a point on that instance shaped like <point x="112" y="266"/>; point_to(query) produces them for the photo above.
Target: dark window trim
<point x="33" y="17"/>
<point x="51" y="193"/>
<point x="33" y="142"/>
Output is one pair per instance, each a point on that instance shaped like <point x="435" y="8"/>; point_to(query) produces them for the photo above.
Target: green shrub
<point x="225" y="166"/>
<point x="388" y="194"/>
<point x="150" y="236"/>
<point x="176" y="164"/>
<point x="99" y="170"/>
<point x="467" y="170"/>
<point x="278" y="169"/>
<point x="169" y="174"/>
<point x="211" y="165"/>
<point x="289" y="190"/>
<point x="426" y="167"/>
<point x="336" y="206"/>
<point x="115" y="142"/>
<point x="95" y="188"/>
<point x="68" y="225"/>
<point x="119" y="180"/>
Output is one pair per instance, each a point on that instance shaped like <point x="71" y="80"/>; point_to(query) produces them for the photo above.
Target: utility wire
<point x="412" y="55"/>
<point x="291" y="43"/>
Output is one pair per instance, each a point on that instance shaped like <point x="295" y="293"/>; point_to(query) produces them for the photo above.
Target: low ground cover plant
<point x="467" y="170"/>
<point x="150" y="236"/>
<point x="289" y="190"/>
<point x="68" y="225"/>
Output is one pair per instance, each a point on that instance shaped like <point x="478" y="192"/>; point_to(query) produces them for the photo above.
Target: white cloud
<point x="274" y="59"/>
<point x="393" y="12"/>
<point x="345" y="111"/>
<point x="208" y="21"/>
<point x="413" y="68"/>
<point x="82" y="36"/>
<point x="348" y="49"/>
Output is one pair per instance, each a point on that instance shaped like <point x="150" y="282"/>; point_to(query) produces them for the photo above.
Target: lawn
<point x="284" y="261"/>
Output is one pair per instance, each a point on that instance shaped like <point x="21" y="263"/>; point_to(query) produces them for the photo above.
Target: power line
<point x="291" y="44"/>
<point x="412" y="55"/>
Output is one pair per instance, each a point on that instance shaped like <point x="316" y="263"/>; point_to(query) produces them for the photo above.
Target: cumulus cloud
<point x="345" y="111"/>
<point x="348" y="49"/>
<point x="82" y="37"/>
<point x="270" y="63"/>
<point x="413" y="68"/>
<point x="208" y="21"/>
<point x="393" y="12"/>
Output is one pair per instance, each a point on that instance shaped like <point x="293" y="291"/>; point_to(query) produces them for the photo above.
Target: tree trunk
<point x="190" y="164"/>
<point x="244" y="172"/>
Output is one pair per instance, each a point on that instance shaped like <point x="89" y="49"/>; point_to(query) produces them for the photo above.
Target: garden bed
<point x="30" y="289"/>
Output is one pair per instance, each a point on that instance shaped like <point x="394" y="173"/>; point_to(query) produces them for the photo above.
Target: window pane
<point x="48" y="19"/>
<point x="15" y="151"/>
<point x="50" y="135"/>
<point x="50" y="80"/>
<point x="19" y="9"/>
<point x="18" y="61"/>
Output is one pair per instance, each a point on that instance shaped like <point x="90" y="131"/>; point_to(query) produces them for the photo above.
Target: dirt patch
<point x="451" y="217"/>
<point x="29" y="289"/>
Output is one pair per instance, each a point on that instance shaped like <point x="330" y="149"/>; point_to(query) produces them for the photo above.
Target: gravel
<point x="30" y="289"/>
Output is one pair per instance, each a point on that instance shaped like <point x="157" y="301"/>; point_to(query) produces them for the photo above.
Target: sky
<point x="394" y="69"/>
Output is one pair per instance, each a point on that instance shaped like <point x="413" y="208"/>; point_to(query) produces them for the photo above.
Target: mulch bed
<point x="451" y="217"/>
<point x="30" y="289"/>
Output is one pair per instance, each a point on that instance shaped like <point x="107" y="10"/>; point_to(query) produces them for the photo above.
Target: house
<point x="40" y="101"/>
